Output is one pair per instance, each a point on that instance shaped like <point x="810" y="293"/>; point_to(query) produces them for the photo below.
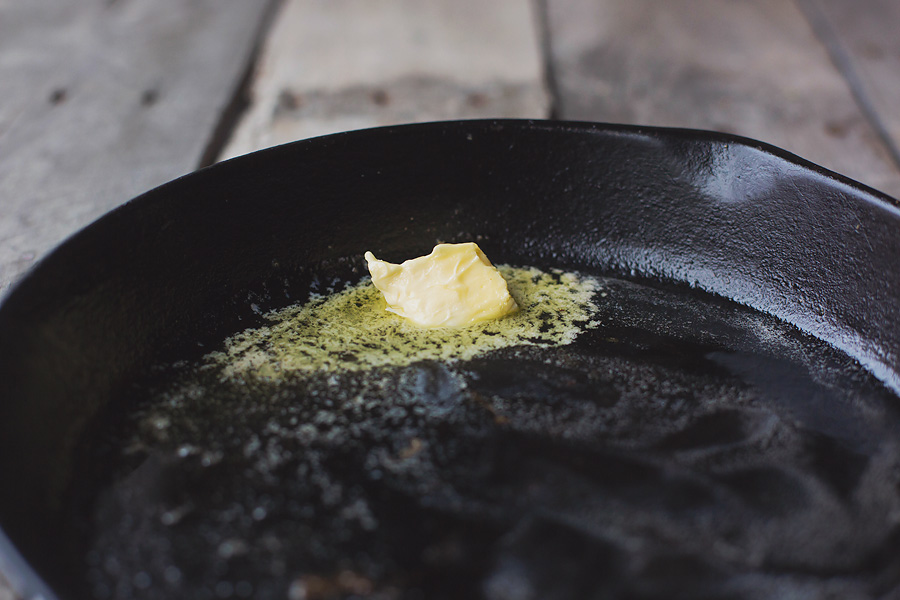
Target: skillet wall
<point x="184" y="262"/>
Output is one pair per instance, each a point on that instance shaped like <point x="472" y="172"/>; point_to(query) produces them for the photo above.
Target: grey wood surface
<point x="862" y="39"/>
<point x="750" y="67"/>
<point x="349" y="64"/>
<point x="104" y="99"/>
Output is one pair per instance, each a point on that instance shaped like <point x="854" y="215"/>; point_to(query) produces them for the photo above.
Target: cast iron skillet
<point x="177" y="265"/>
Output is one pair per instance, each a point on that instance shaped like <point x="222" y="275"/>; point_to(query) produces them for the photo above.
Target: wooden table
<point x="104" y="99"/>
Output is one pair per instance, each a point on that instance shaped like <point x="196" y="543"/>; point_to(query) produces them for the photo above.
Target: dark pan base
<point x="687" y="448"/>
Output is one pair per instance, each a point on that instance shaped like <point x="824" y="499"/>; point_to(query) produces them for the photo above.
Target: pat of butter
<point x="455" y="285"/>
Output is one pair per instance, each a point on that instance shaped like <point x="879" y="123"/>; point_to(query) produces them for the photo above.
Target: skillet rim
<point x="881" y="199"/>
<point x="20" y="574"/>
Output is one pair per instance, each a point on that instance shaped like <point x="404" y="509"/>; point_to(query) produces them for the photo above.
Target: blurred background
<point x="101" y="100"/>
<point x="104" y="99"/>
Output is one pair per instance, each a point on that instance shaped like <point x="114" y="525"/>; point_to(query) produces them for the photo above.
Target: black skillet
<point x="762" y="461"/>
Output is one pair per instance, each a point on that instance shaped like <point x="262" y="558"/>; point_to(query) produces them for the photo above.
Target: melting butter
<point x="454" y="286"/>
<point x="350" y="330"/>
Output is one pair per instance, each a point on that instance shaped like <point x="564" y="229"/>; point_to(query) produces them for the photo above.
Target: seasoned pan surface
<point x="726" y="427"/>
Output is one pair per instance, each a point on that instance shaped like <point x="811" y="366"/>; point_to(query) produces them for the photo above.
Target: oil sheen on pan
<point x="637" y="441"/>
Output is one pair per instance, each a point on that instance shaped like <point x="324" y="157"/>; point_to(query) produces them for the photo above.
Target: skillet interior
<point x="716" y="213"/>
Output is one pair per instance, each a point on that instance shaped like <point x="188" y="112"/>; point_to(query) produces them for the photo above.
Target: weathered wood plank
<point x="861" y="37"/>
<point x="751" y="67"/>
<point x="104" y="99"/>
<point x="337" y="65"/>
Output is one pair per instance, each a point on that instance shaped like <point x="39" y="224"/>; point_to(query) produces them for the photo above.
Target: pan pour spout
<point x="456" y="285"/>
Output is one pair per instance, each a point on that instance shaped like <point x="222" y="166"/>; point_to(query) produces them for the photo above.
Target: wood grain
<point x="336" y="65"/>
<point x="750" y="67"/>
<point x="105" y="99"/>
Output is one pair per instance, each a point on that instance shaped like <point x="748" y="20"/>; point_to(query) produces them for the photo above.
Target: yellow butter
<point x="455" y="285"/>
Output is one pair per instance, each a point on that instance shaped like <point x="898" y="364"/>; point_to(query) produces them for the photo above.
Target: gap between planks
<point x="861" y="40"/>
